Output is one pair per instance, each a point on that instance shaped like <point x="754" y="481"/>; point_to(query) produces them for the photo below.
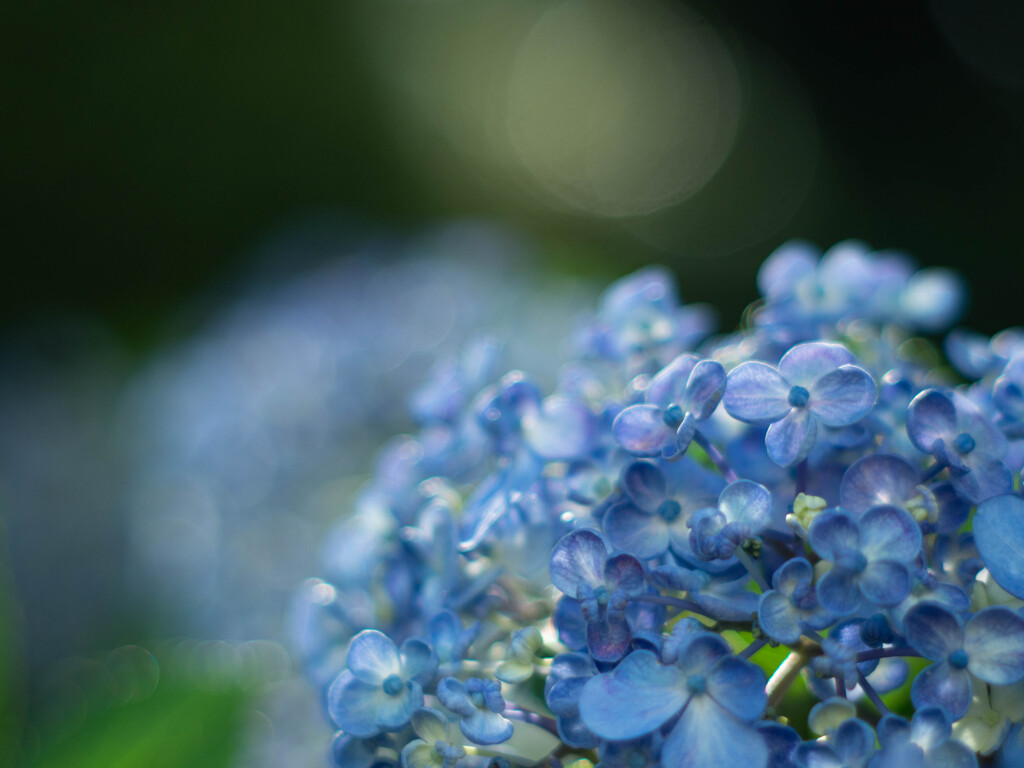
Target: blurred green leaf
<point x="176" y="727"/>
<point x="10" y="680"/>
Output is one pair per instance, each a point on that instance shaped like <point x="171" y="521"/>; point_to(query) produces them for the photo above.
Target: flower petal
<point x="641" y="430"/>
<point x="994" y="641"/>
<point x="944" y="687"/>
<point x="579" y="556"/>
<point x="790" y="440"/>
<point x="838" y="593"/>
<point x="708" y="735"/>
<point x="880" y="478"/>
<point x="705" y="388"/>
<point x="806" y="363"/>
<point x="843" y="396"/>
<point x="738" y="686"/>
<point x="933" y="631"/>
<point x="756" y="393"/>
<point x="747" y="503"/>
<point x="669" y="385"/>
<point x="833" y="532"/>
<point x="931" y="417"/>
<point x="639" y="533"/>
<point x="889" y="533"/>
<point x="644" y="483"/>
<point x="352" y="705"/>
<point x="372" y="656"/>
<point x="999" y="536"/>
<point x="634" y="699"/>
<point x="561" y="429"/>
<point x="885" y="582"/>
<point x="778" y="618"/>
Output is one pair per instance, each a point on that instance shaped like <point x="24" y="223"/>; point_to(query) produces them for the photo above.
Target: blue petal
<point x="394" y="712"/>
<point x="644" y="483"/>
<point x="929" y="728"/>
<point x="608" y="640"/>
<point x="994" y="641"/>
<point x="738" y="686"/>
<point x="843" y="396"/>
<point x="833" y="532"/>
<point x="815" y="755"/>
<point x="635" y="699"/>
<point x="419" y="662"/>
<point x="430" y="725"/>
<point x="880" y="478"/>
<point x="748" y="503"/>
<point x="987" y="477"/>
<point x="704" y="389"/>
<point x="560" y="429"/>
<point x="781" y="741"/>
<point x="778" y="617"/>
<point x="792" y="262"/>
<point x="944" y="687"/>
<point x="806" y="363"/>
<point x="701" y="653"/>
<point x="999" y="536"/>
<point x="579" y="556"/>
<point x="452" y="694"/>
<point x="931" y="417"/>
<point x="352" y="705"/>
<point x="885" y="582"/>
<point x="837" y="592"/>
<point x="791" y="573"/>
<point x="669" y="385"/>
<point x="889" y="533"/>
<point x="484" y="727"/>
<point x="790" y="440"/>
<point x="641" y="430"/>
<point x="853" y="740"/>
<point x="563" y="698"/>
<point x="640" y="533"/>
<point x="707" y="735"/>
<point x="952" y="754"/>
<point x="933" y="631"/>
<point x="373" y="656"/>
<point x="756" y="393"/>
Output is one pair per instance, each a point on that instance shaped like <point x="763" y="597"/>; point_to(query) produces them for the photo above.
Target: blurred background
<point x="236" y="236"/>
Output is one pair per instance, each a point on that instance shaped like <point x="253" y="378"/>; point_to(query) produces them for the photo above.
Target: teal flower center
<point x="958" y="659"/>
<point x="798" y="397"/>
<point x="669" y="510"/>
<point x="393" y="685"/>
<point x="696" y="684"/>
<point x="963" y="443"/>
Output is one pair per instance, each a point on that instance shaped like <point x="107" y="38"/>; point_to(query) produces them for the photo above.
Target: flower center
<point x="673" y="416"/>
<point x="393" y="685"/>
<point x="963" y="443"/>
<point x="958" y="659"/>
<point x="991" y="718"/>
<point x="696" y="683"/>
<point x="669" y="510"/>
<point x="602" y="595"/>
<point x="798" y="397"/>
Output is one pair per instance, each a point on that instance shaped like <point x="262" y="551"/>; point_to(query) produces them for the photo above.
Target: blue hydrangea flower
<point x="382" y="686"/>
<point x="744" y="510"/>
<point x="924" y="742"/>
<point x="954" y="431"/>
<point x="869" y="557"/>
<point x="479" y="704"/>
<point x="681" y="395"/>
<point x="568" y="674"/>
<point x="583" y="568"/>
<point x="791" y="607"/>
<point x="718" y="694"/>
<point x="434" y="747"/>
<point x="990" y="647"/>
<point x="815" y="382"/>
<point x="850" y="745"/>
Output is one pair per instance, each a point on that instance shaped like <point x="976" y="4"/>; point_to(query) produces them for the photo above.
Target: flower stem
<point x="872" y="694"/>
<point x="674" y="602"/>
<point x="716" y="456"/>
<point x="753" y="648"/>
<point x="932" y="471"/>
<point x="787" y="673"/>
<point x="752" y="568"/>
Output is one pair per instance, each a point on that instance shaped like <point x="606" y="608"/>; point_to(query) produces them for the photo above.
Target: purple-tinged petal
<point x="644" y="483"/>
<point x="999" y="535"/>
<point x="738" y="686"/>
<point x="707" y="735"/>
<point x="881" y="478"/>
<point x="639" y="533"/>
<point x="669" y="385"/>
<point x="988" y="477"/>
<point x="778" y="618"/>
<point x="608" y="641"/>
<point x="885" y="582"/>
<point x="570" y="624"/>
<point x="560" y="429"/>
<point x="748" y="503"/>
<point x="931" y="417"/>
<point x="790" y="440"/>
<point x="889" y="533"/>
<point x="994" y="641"/>
<point x="623" y="572"/>
<point x="944" y="687"/>
<point x="579" y="556"/>
<point x="352" y="705"/>
<point x="634" y="699"/>
<point x="705" y="388"/>
<point x="804" y="364"/>
<point x="373" y="656"/>
<point x="641" y="430"/>
<point x="563" y="698"/>
<point x="838" y="592"/>
<point x="832" y="533"/>
<point x="843" y="397"/>
<point x="756" y="393"/>
<point x="933" y="631"/>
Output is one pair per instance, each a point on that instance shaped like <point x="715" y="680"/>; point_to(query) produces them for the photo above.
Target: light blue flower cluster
<point x="604" y="574"/>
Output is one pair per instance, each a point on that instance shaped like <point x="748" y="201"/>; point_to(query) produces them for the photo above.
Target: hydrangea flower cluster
<point x="640" y="567"/>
